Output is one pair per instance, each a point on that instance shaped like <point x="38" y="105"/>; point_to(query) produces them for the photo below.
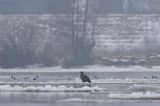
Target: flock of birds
<point x="83" y="77"/>
<point x="152" y="77"/>
<point x="26" y="78"/>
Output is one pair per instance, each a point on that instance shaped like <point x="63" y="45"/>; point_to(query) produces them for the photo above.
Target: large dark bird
<point x="85" y="78"/>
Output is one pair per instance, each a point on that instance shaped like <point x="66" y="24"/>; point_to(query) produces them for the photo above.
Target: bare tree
<point x="18" y="42"/>
<point x="27" y="40"/>
<point x="82" y="41"/>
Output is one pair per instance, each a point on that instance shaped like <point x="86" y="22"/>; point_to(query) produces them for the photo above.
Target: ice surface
<point x="49" y="88"/>
<point x="145" y="88"/>
<point x="136" y="95"/>
<point x="78" y="81"/>
<point x="127" y="81"/>
<point x="96" y="68"/>
<point x="82" y="100"/>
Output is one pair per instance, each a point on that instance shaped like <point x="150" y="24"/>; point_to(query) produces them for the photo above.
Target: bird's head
<point x="81" y="72"/>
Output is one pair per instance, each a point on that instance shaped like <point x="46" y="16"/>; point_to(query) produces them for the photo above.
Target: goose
<point x="35" y="78"/>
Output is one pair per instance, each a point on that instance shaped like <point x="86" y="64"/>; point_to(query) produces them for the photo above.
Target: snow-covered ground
<point x="95" y="68"/>
<point x="96" y="89"/>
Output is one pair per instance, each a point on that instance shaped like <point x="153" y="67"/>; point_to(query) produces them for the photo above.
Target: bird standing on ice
<point x="85" y="78"/>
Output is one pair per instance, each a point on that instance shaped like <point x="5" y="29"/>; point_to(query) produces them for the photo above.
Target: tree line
<point x="49" y="40"/>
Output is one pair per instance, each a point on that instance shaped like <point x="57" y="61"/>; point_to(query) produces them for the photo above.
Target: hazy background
<point x="126" y="32"/>
<point x="60" y="6"/>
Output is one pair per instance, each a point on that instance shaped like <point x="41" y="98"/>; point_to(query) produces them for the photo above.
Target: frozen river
<point x="65" y="88"/>
<point x="67" y="99"/>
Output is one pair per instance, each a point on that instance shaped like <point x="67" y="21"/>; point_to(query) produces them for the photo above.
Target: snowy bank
<point x="96" y="68"/>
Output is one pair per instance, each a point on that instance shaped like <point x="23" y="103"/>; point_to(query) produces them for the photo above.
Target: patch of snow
<point x="135" y="95"/>
<point x="48" y="88"/>
<point x="81" y="100"/>
<point x="72" y="100"/>
<point x="33" y="66"/>
<point x="122" y="60"/>
<point x="144" y="88"/>
<point x="78" y="80"/>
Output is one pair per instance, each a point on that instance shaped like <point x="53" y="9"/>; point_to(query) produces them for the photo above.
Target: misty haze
<point x="79" y="52"/>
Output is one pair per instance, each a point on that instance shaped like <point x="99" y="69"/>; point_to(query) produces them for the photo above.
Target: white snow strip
<point x="72" y="100"/>
<point x="135" y="95"/>
<point x="127" y="81"/>
<point x="85" y="69"/>
<point x="81" y="100"/>
<point x="49" y="88"/>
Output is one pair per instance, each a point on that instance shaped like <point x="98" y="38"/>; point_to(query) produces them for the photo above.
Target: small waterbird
<point x="35" y="78"/>
<point x="155" y="77"/>
<point x="26" y="77"/>
<point x="85" y="78"/>
<point x="14" y="78"/>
